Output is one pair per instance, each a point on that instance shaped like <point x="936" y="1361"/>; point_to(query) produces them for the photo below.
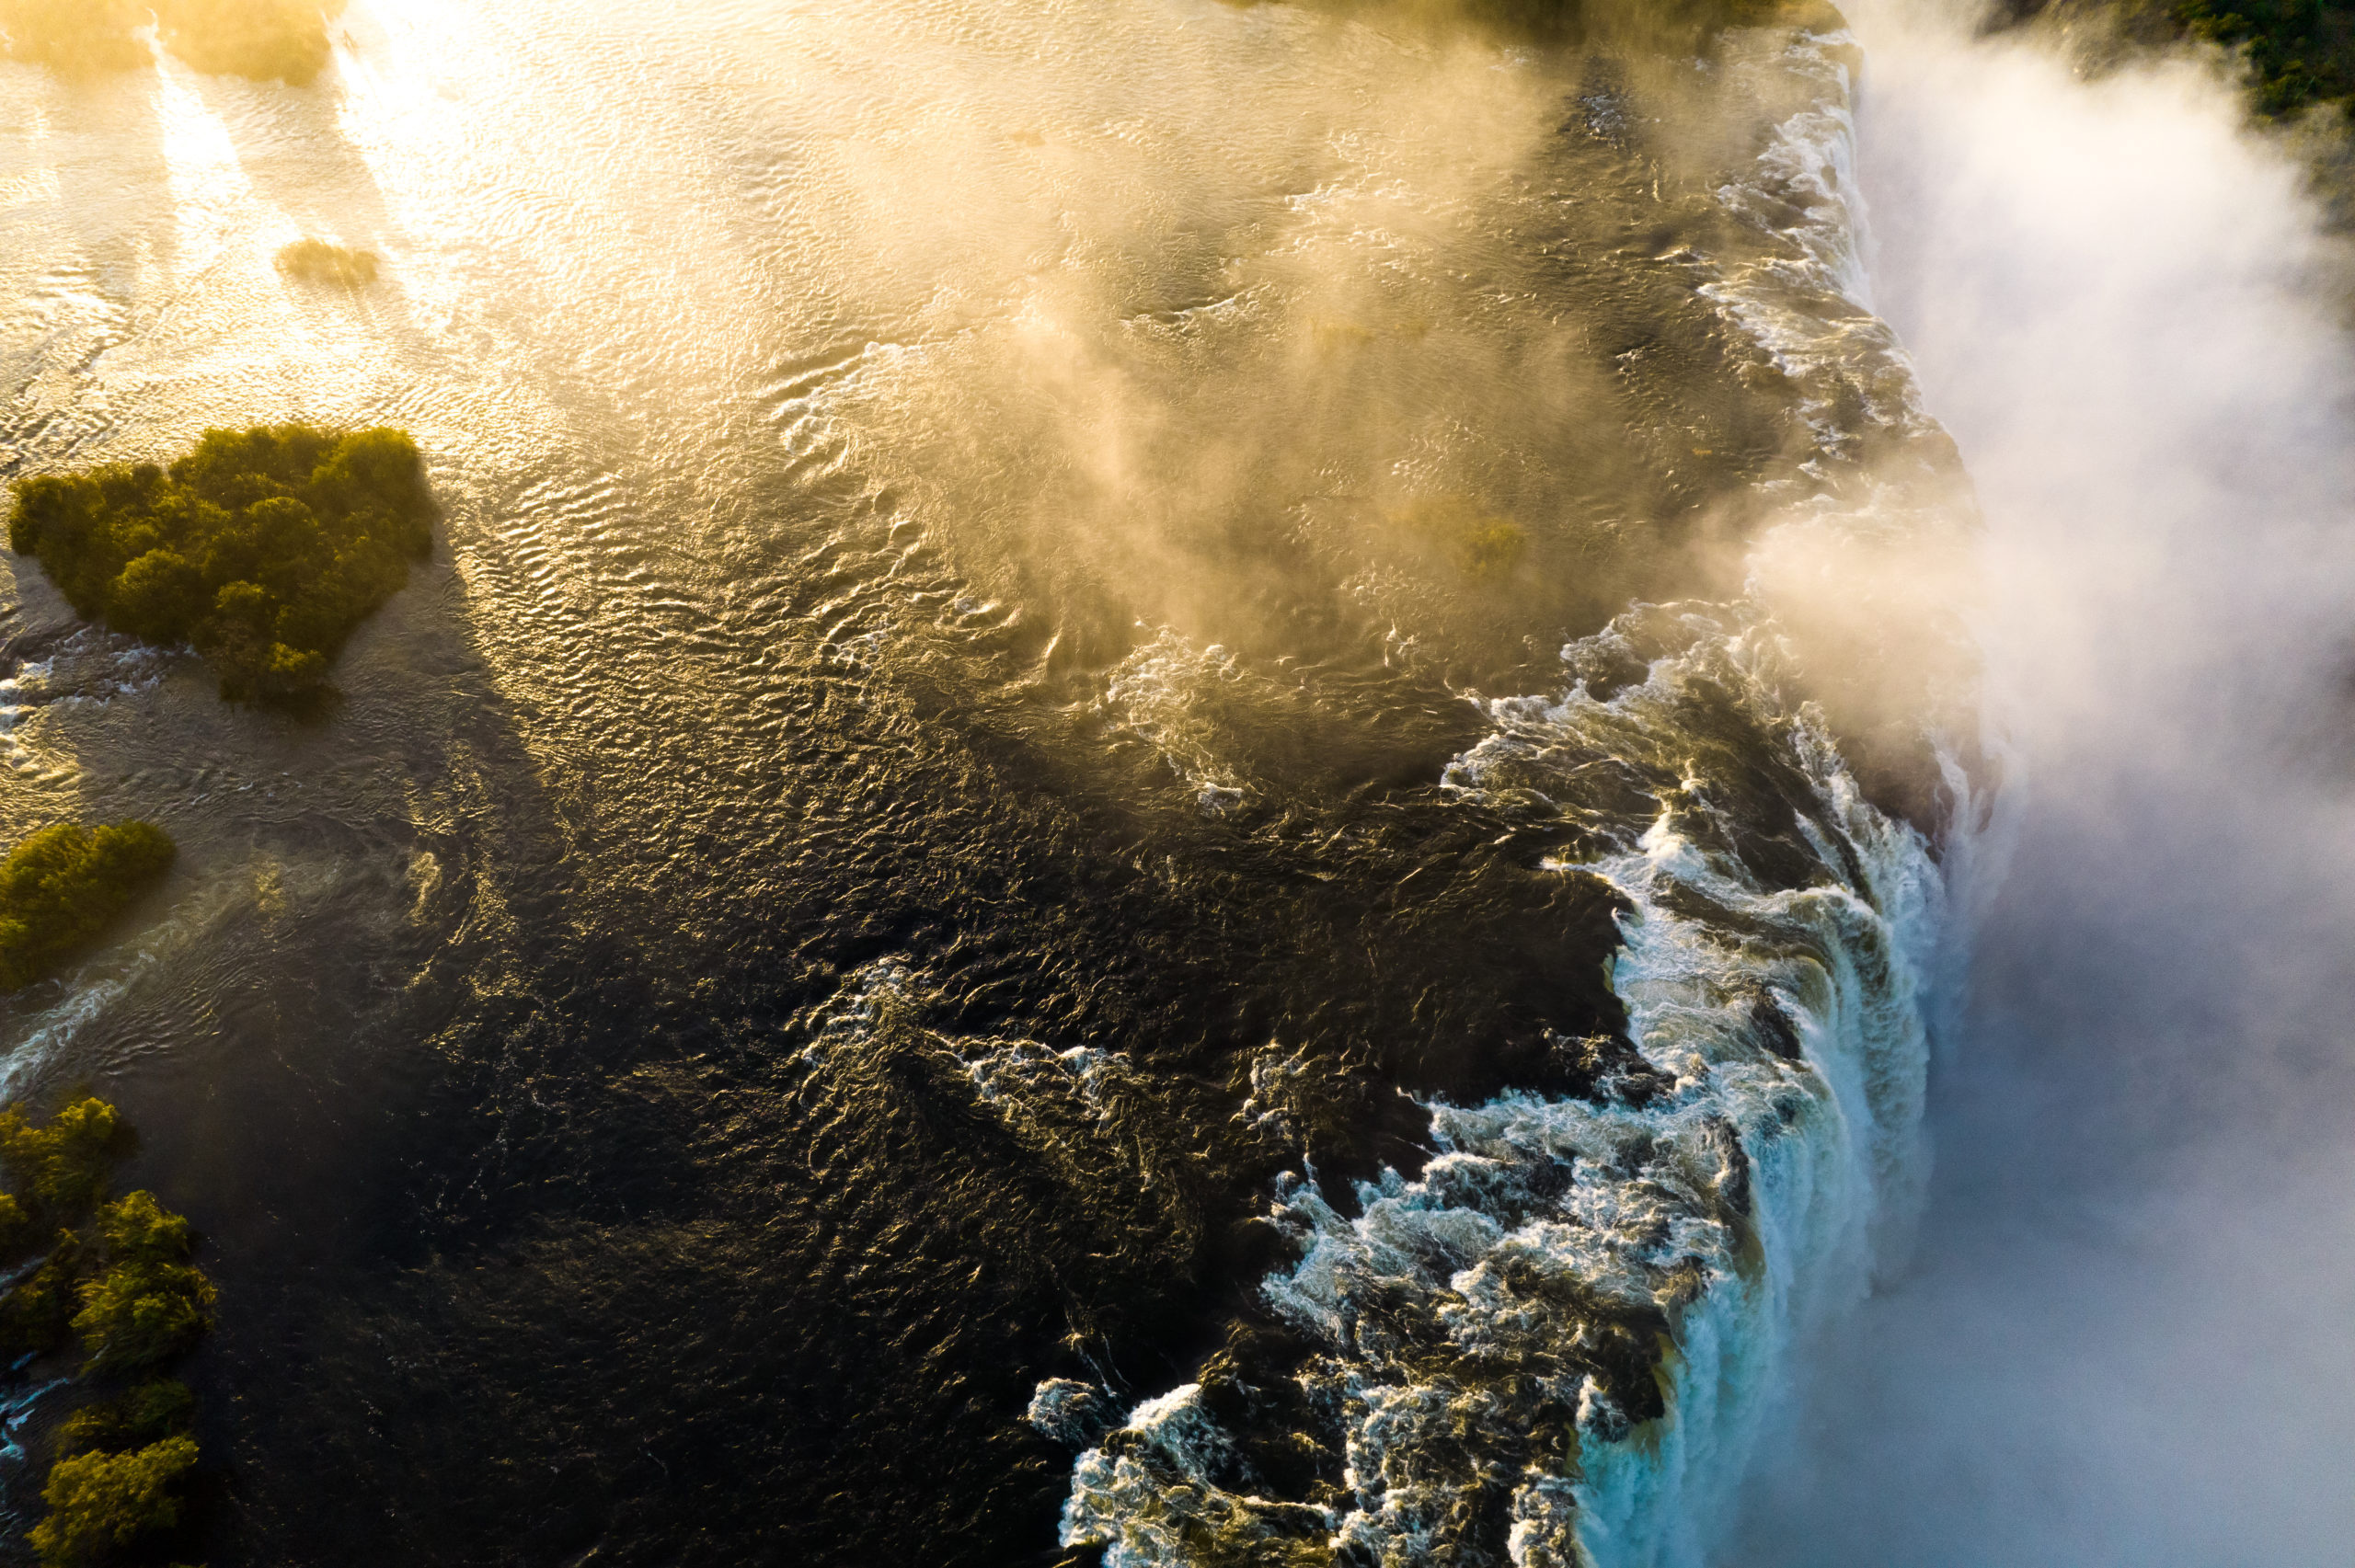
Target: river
<point x="1179" y="782"/>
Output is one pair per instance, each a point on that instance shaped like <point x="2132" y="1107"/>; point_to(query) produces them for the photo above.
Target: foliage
<point x="60" y="1171"/>
<point x="2300" y="52"/>
<point x="18" y="1228"/>
<point x="120" y="1460"/>
<point x="147" y="1413"/>
<point x="37" y="1315"/>
<point x="76" y="38"/>
<point x="317" y="261"/>
<point x="1670" y="26"/>
<point x="99" y="1502"/>
<point x="261" y="38"/>
<point x="65" y="1165"/>
<point x="1493" y="548"/>
<point x="60" y="888"/>
<point x="264" y="547"/>
<point x="266" y="39"/>
<point x="149" y="1305"/>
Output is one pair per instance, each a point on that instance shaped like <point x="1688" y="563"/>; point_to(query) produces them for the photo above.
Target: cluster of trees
<point x="317" y="261"/>
<point x="264" y="548"/>
<point x="286" y="39"/>
<point x="2300" y="52"/>
<point x="114" y="1279"/>
<point x="260" y="38"/>
<point x="76" y="38"/>
<point x="60" y="888"/>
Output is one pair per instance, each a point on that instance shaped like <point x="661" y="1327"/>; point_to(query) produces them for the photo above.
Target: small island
<point x="265" y="40"/>
<point x="122" y="1285"/>
<point x="263" y="548"/>
<point x="65" y="885"/>
<point x="283" y="40"/>
<point x="76" y="38"/>
<point x="318" y="261"/>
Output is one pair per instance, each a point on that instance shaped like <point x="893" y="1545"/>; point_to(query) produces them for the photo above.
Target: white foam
<point x="1164" y="692"/>
<point x="1743" y="1197"/>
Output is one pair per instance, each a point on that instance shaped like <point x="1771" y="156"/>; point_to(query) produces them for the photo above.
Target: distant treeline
<point x="264" y="547"/>
<point x="1664" y="26"/>
<point x="286" y="39"/>
<point x="2299" y="52"/>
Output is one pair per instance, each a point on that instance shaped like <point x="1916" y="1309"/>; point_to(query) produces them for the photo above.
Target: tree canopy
<point x="320" y="261"/>
<point x="262" y="39"/>
<point x="76" y="38"/>
<point x="60" y="887"/>
<point x="263" y="547"/>
<point x="2300" y="52"/>
<point x="100" y="1501"/>
<point x="126" y="1286"/>
<point x="267" y="39"/>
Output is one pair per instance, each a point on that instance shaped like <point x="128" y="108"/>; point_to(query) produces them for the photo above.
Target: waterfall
<point x="1580" y="1310"/>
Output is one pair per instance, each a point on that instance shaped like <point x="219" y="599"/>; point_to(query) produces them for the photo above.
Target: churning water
<point x="2126" y="1342"/>
<point x="1182" y="784"/>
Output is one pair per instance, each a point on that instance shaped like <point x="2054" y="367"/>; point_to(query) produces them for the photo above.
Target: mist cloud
<point x="2130" y="1335"/>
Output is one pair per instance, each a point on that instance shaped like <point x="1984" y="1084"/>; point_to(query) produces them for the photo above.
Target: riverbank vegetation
<point x="116" y="1278"/>
<point x="318" y="261"/>
<point x="2300" y="52"/>
<point x="264" y="548"/>
<point x="1477" y="543"/>
<point x="60" y="887"/>
<point x="1670" y="27"/>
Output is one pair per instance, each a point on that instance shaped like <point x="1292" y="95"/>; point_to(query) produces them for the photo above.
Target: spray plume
<point x="2126" y="1339"/>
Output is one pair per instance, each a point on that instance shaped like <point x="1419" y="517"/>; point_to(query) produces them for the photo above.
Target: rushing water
<point x="1119" y="806"/>
<point x="2127" y="1341"/>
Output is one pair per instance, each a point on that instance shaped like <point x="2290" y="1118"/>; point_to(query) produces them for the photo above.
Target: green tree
<point x="60" y="888"/>
<point x="100" y="1503"/>
<point x="120" y="1459"/>
<point x="150" y="1304"/>
<point x="65" y="1165"/>
<point x="286" y="39"/>
<point x="76" y="38"/>
<point x="263" y="547"/>
<point x="2297" y="50"/>
<point x="317" y="261"/>
<point x="37" y="1315"/>
<point x="146" y="1412"/>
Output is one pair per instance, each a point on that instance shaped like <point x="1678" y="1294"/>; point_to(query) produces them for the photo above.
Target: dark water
<point x="963" y="580"/>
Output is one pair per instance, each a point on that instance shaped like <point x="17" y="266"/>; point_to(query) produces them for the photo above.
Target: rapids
<point x="2125" y="1341"/>
<point x="1733" y="1184"/>
<point x="1175" y="772"/>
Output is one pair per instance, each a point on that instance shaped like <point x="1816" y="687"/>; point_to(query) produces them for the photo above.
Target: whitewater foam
<point x="1581" y="1310"/>
<point x="1723" y="1204"/>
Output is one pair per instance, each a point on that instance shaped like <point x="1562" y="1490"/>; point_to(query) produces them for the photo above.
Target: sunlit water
<point x="1016" y="662"/>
